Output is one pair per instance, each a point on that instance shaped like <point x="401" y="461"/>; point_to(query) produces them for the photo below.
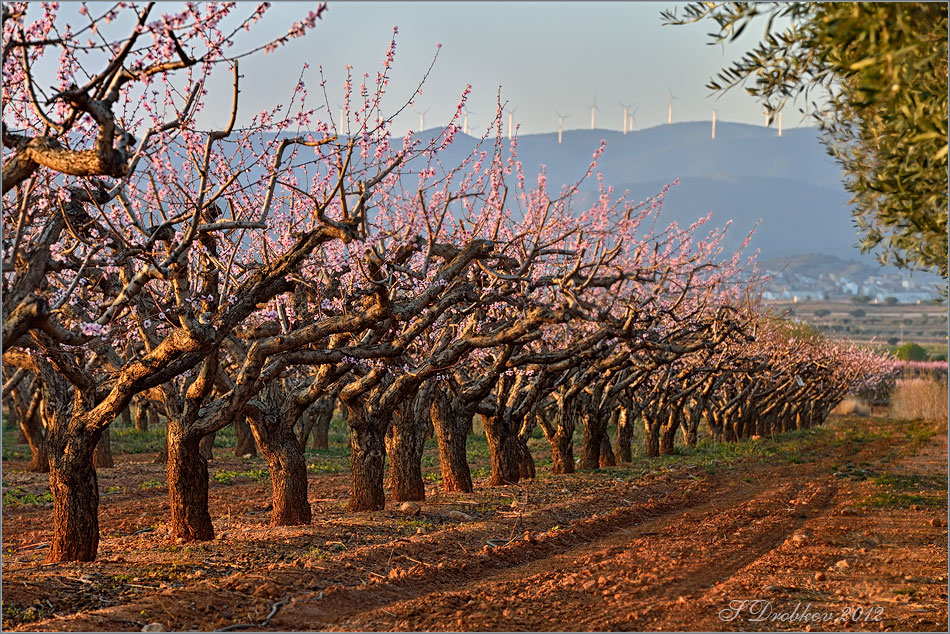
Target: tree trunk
<point x="32" y="429"/>
<point x="625" y="435"/>
<point x="607" y="458"/>
<point x="689" y="434"/>
<point x="561" y="434"/>
<point x="715" y="424"/>
<point x="651" y="447"/>
<point x="205" y="446"/>
<point x="593" y="434"/>
<point x="152" y="416"/>
<point x="288" y="470"/>
<point x="368" y="430"/>
<point x="305" y="421"/>
<point x="526" y="468"/>
<point x="102" y="456"/>
<point x="141" y="417"/>
<point x="451" y="430"/>
<point x="317" y="420"/>
<point x="668" y="434"/>
<point x="187" y="472"/>
<point x="405" y="442"/>
<point x="13" y="418"/>
<point x="321" y="430"/>
<point x="321" y="415"/>
<point x="367" y="462"/>
<point x="730" y="428"/>
<point x="245" y="444"/>
<point x="72" y="480"/>
<point x="562" y="452"/>
<point x="126" y="418"/>
<point x="503" y="451"/>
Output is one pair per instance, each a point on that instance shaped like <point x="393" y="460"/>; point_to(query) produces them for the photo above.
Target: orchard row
<point x="258" y="276"/>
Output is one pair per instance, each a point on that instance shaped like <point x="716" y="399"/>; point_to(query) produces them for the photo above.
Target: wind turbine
<point x="511" y="125"/>
<point x="465" y="119"/>
<point x="342" y="115"/>
<point x="592" y="109"/>
<point x="422" y="118"/>
<point x="669" y="114"/>
<point x="560" y="120"/>
<point x="714" y="124"/>
<point x="780" y="123"/>
<point x="633" y="119"/>
<point x="626" y="114"/>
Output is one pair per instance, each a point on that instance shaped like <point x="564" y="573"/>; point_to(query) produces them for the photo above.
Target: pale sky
<point x="546" y="56"/>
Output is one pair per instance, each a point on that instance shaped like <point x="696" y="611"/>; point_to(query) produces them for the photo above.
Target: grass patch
<point x="228" y="478"/>
<point x="911" y="482"/>
<point x="131" y="440"/>
<point x="325" y="466"/>
<point x="226" y="438"/>
<point x="335" y="451"/>
<point x="889" y="499"/>
<point x="903" y="491"/>
<point x="17" y="496"/>
<point x="11" y="449"/>
<point x="920" y="431"/>
<point x="476" y="449"/>
<point x="152" y="484"/>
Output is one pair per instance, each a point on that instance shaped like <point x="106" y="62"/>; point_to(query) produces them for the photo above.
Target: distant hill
<point x="814" y="264"/>
<point x="745" y="174"/>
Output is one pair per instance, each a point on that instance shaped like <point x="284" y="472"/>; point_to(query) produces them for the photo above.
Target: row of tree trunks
<point x="245" y="444"/>
<point x="102" y="456"/>
<point x="452" y="421"/>
<point x="625" y="423"/>
<point x="560" y="434"/>
<point x="504" y="451"/>
<point x="316" y="420"/>
<point x="146" y="415"/>
<point x="367" y="458"/>
<point x="668" y="428"/>
<point x="75" y="488"/>
<point x="27" y="414"/>
<point x="187" y="472"/>
<point x="526" y="467"/>
<point x="288" y="468"/>
<point x="405" y="443"/>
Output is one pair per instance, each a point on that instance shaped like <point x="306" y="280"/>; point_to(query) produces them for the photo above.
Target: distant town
<point x="818" y="277"/>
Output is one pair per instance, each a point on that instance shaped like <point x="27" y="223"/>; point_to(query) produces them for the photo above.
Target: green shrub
<point x="910" y="351"/>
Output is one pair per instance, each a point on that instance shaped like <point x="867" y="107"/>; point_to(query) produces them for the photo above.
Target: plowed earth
<point x="842" y="528"/>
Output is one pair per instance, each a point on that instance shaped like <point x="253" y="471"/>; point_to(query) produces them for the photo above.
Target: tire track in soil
<point x="592" y="585"/>
<point x="659" y="551"/>
<point x="351" y="568"/>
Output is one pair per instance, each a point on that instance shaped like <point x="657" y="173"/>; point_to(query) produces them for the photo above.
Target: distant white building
<point x="909" y="297"/>
<point x="801" y="295"/>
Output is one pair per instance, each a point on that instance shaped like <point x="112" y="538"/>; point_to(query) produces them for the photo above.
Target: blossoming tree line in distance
<point x="261" y="276"/>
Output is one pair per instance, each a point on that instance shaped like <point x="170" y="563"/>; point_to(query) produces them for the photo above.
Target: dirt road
<point x="842" y="529"/>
